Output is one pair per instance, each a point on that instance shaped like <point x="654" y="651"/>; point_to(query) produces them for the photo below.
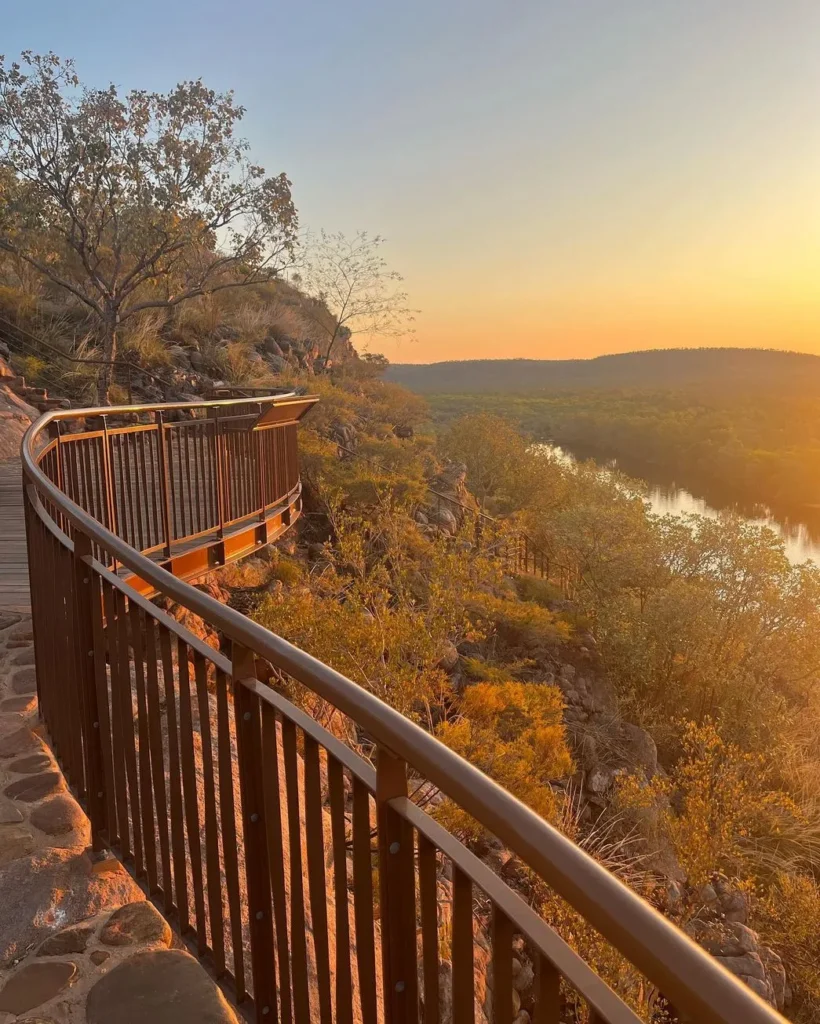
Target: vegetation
<point x="704" y="634"/>
<point x="739" y="449"/>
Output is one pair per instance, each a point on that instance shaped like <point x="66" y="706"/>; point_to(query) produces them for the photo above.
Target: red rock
<point x="34" y="985"/>
<point x="34" y="787"/>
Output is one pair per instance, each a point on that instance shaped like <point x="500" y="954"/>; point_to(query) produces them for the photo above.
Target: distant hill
<point x="742" y="369"/>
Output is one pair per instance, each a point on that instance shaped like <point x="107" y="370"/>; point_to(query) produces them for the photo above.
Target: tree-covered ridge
<point x="710" y="369"/>
<point x="737" y="447"/>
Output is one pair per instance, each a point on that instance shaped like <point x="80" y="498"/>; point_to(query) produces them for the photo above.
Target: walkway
<point x="79" y="943"/>
<point x="14" y="589"/>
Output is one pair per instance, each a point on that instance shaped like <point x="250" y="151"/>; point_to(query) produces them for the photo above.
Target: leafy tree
<point x="133" y="202"/>
<point x="352" y="282"/>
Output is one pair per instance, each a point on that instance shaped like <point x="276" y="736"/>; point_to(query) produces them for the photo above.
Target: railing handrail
<point x="694" y="982"/>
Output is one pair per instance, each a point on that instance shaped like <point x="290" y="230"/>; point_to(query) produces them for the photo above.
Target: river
<point x="800" y="535"/>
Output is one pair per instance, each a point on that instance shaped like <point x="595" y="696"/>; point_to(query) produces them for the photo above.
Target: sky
<point x="554" y="179"/>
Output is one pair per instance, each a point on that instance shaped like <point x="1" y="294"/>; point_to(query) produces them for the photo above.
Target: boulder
<point x="47" y="891"/>
<point x="159" y="987"/>
<point x="638" y="748"/>
<point x="34" y="985"/>
<point x="69" y="940"/>
<point x="448" y="658"/>
<point x="135" y="923"/>
<point x="444" y="519"/>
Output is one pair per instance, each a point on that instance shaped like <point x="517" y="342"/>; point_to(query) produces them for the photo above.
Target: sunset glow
<point x="553" y="179"/>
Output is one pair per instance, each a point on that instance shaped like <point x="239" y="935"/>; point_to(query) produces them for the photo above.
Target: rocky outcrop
<point x="739" y="949"/>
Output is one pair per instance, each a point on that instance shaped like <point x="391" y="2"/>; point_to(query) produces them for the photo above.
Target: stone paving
<point x="78" y="941"/>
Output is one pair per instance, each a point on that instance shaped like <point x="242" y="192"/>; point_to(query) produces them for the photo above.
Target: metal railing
<point x="306" y="879"/>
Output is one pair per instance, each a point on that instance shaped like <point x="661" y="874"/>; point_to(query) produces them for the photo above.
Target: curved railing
<point x="308" y="881"/>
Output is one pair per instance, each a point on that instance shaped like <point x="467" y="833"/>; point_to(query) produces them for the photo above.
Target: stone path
<point x="78" y="941"/>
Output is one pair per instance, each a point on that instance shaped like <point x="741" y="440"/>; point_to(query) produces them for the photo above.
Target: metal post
<point x="83" y="595"/>
<point x="220" y="494"/>
<point x="396" y="894"/>
<point x="164" y="483"/>
<point x="251" y="775"/>
<point x="109" y="490"/>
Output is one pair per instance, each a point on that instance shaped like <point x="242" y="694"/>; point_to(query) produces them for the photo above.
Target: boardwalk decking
<point x="14" y="587"/>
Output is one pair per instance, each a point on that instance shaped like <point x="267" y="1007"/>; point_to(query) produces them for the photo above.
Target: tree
<point x="135" y="202"/>
<point x="351" y="282"/>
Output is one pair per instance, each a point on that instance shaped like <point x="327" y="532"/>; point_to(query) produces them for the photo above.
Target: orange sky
<point x="554" y="177"/>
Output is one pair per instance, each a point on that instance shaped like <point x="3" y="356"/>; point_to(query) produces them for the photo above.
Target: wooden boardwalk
<point x="14" y="587"/>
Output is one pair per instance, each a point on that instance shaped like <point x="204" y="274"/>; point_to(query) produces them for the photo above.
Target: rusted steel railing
<point x="304" y="877"/>
<point x="191" y="485"/>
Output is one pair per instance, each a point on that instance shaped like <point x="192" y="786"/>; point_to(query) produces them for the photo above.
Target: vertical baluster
<point x="144" y="760"/>
<point x="301" y="999"/>
<point x="165" y="482"/>
<point x="428" y="899"/>
<point x="127" y="719"/>
<point x="396" y="893"/>
<point x="213" y="873"/>
<point x="189" y="788"/>
<point x="363" y="902"/>
<point x="228" y="831"/>
<point x="502" y="936"/>
<point x="463" y="968"/>
<point x="344" y="981"/>
<point x="275" y="837"/>
<point x="547" y="992"/>
<point x="118" y="742"/>
<point x="249" y="753"/>
<point x="157" y="757"/>
<point x="103" y="713"/>
<point x="314" y="834"/>
<point x="174" y="783"/>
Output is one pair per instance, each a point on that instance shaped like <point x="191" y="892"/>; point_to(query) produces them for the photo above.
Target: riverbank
<point x="800" y="536"/>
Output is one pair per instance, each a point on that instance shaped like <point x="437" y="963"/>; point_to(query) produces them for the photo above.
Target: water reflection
<point x="801" y="536"/>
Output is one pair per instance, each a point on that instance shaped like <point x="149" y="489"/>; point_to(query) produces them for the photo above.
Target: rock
<point x="24" y="703"/>
<point x="161" y="987"/>
<point x="721" y="939"/>
<point x="639" y="748"/>
<point x="9" y="618"/>
<point x="444" y="519"/>
<point x="16" y="841"/>
<point x="31" y="764"/>
<point x="599" y="780"/>
<point x="776" y="974"/>
<point x="448" y="659"/>
<point x="99" y="956"/>
<point x="12" y="644"/>
<point x="21" y="633"/>
<point x="9" y="814"/>
<point x="70" y="940"/>
<point x="567" y="672"/>
<point x="34" y="985"/>
<point x="135" y="923"/>
<point x="50" y="890"/>
<point x="35" y="787"/>
<point x="24" y="657"/>
<point x="421" y="518"/>
<point x="761" y="988"/>
<point x="707" y="894"/>
<point x="60" y="815"/>
<point x="733" y="903"/>
<point x="523" y="978"/>
<point x="748" y="966"/>
<point x="25" y="681"/>
<point x="19" y="741"/>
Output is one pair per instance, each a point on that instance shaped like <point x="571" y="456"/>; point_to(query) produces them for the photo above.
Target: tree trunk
<point x="108" y="354"/>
